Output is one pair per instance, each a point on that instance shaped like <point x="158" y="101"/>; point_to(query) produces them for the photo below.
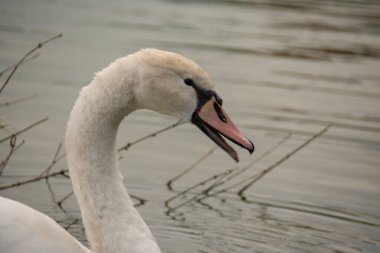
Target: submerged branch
<point x="218" y="178"/>
<point x="228" y="175"/>
<point x="203" y="182"/>
<point x="265" y="154"/>
<point x="239" y="183"/>
<point x="287" y="156"/>
<point x="200" y="160"/>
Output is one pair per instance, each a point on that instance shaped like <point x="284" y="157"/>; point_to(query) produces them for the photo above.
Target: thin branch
<point x="60" y="203"/>
<point x="19" y="100"/>
<point x="154" y="134"/>
<point x="232" y="172"/>
<point x="265" y="154"/>
<point x="36" y="179"/>
<point x="67" y="227"/>
<point x="14" y="148"/>
<point x="287" y="156"/>
<point x="25" y="129"/>
<point x="239" y="183"/>
<point x="207" y="154"/>
<point x="44" y="175"/>
<point x="182" y="193"/>
<point x="11" y="67"/>
<point x="140" y="200"/>
<point x="52" y="194"/>
<point x="258" y="176"/>
<point x="39" y="45"/>
<point x="206" y="193"/>
<point x="53" y="162"/>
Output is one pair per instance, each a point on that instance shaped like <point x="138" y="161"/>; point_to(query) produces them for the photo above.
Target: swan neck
<point x="112" y="223"/>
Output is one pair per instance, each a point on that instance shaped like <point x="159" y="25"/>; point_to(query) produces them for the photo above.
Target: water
<point x="280" y="66"/>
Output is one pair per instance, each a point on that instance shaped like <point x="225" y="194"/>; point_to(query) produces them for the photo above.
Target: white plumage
<point x="149" y="79"/>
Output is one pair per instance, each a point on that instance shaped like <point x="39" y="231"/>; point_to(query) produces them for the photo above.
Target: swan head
<point x="174" y="85"/>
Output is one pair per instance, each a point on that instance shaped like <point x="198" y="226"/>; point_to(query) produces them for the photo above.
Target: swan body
<point x="149" y="79"/>
<point x="24" y="229"/>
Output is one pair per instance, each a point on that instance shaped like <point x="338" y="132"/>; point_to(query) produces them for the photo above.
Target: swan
<point x="161" y="81"/>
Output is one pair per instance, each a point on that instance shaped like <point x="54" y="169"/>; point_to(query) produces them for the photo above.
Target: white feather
<point x="150" y="79"/>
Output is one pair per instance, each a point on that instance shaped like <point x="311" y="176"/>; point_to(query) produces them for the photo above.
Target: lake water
<point x="281" y="67"/>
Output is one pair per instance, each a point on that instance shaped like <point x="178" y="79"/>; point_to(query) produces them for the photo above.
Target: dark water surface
<point x="281" y="67"/>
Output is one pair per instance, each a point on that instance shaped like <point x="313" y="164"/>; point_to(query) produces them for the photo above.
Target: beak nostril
<point x="218" y="99"/>
<point x="219" y="113"/>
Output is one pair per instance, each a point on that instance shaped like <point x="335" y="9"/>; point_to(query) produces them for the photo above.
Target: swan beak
<point x="214" y="122"/>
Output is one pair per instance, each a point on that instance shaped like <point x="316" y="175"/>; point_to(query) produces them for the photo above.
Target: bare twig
<point x="205" y="181"/>
<point x="25" y="129"/>
<point x="39" y="45"/>
<point x="140" y="201"/>
<point x="203" y="194"/>
<point x="60" y="202"/>
<point x="51" y="191"/>
<point x="239" y="183"/>
<point x="54" y="161"/>
<point x="228" y="174"/>
<point x="219" y="180"/>
<point x="14" y="147"/>
<point x="44" y="175"/>
<point x="36" y="179"/>
<point x="26" y="60"/>
<point x="207" y="154"/>
<point x="75" y="221"/>
<point x="287" y="156"/>
<point x="17" y="100"/>
<point x="46" y="171"/>
<point x="265" y="154"/>
<point x="154" y="134"/>
<point x="251" y="180"/>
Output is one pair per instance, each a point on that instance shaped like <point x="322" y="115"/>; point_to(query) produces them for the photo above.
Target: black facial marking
<point x="203" y="97"/>
<point x="188" y="82"/>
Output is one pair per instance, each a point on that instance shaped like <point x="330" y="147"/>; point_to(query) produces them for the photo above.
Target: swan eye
<point x="189" y="82"/>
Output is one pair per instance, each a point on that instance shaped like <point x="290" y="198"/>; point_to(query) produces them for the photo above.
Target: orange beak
<point x="214" y="122"/>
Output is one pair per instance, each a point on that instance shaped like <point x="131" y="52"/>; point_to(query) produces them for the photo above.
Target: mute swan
<point x="161" y="81"/>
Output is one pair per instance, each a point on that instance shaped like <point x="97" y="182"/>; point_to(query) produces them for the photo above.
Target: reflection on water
<point x="281" y="67"/>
